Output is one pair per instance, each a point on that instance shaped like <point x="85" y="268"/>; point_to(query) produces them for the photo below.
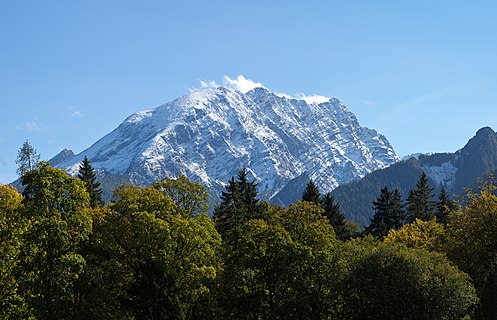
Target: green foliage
<point x="159" y="264"/>
<point x="429" y="235"/>
<point x="311" y="193"/>
<point x="190" y="197"/>
<point x="51" y="263"/>
<point x="239" y="203"/>
<point x="384" y="281"/>
<point x="12" y="227"/>
<point x="473" y="230"/>
<point x="444" y="207"/>
<point x="335" y="216"/>
<point x="87" y="174"/>
<point x="420" y="204"/>
<point x="279" y="267"/>
<point x="27" y="158"/>
<point x="389" y="213"/>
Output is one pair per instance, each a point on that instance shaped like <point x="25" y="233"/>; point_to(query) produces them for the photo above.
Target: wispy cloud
<point x="31" y="125"/>
<point x="76" y="114"/>
<point x="244" y="85"/>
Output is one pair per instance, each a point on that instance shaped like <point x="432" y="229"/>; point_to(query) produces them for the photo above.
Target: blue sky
<point x="423" y="73"/>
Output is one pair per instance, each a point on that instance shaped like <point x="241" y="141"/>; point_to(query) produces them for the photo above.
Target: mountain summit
<point x="454" y="172"/>
<point x="209" y="135"/>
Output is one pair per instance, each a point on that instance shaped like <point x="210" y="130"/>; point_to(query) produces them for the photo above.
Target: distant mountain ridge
<point x="453" y="171"/>
<point x="209" y="135"/>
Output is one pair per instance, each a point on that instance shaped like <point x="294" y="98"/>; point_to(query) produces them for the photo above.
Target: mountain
<point x="209" y="135"/>
<point x="453" y="171"/>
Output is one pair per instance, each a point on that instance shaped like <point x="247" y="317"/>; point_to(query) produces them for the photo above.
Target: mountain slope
<point x="453" y="171"/>
<point x="209" y="135"/>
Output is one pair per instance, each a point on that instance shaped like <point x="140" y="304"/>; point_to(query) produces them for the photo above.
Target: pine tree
<point x="420" y="204"/>
<point x="248" y="191"/>
<point x="87" y="174"/>
<point x="444" y="206"/>
<point x="27" y="158"/>
<point x="389" y="213"/>
<point x="238" y="204"/>
<point x="335" y="216"/>
<point x="311" y="193"/>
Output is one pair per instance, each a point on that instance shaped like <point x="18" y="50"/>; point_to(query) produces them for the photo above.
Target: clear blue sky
<point x="424" y="73"/>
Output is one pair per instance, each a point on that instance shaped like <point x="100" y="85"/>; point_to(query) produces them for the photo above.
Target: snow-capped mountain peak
<point x="208" y="135"/>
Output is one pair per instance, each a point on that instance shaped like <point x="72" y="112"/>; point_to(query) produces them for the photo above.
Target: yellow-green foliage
<point x="429" y="235"/>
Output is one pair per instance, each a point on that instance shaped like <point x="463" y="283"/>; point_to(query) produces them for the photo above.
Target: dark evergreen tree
<point x="27" y="158"/>
<point x="311" y="193"/>
<point x="420" y="204"/>
<point x="238" y="204"/>
<point x="335" y="216"/>
<point x="87" y="174"/>
<point x="248" y="191"/>
<point x="389" y="213"/>
<point x="444" y="206"/>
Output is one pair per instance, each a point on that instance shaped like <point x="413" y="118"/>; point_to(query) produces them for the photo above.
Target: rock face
<point x="452" y="171"/>
<point x="209" y="135"/>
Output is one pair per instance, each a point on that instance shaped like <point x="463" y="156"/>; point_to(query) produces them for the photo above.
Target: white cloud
<point x="242" y="84"/>
<point x="313" y="99"/>
<point x="30" y="126"/>
<point x="76" y="114"/>
<point x="208" y="85"/>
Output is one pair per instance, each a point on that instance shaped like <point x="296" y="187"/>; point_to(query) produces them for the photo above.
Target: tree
<point x="389" y="213"/>
<point x="280" y="267"/>
<point x="27" y="158"/>
<point x="376" y="280"/>
<point x="160" y="264"/>
<point x="239" y="203"/>
<point x="335" y="216"/>
<point x="311" y="193"/>
<point x="429" y="235"/>
<point x="12" y="228"/>
<point x="444" y="206"/>
<point x="248" y="191"/>
<point x="190" y="197"/>
<point x="57" y="206"/>
<point x="87" y="174"/>
<point x="420" y="204"/>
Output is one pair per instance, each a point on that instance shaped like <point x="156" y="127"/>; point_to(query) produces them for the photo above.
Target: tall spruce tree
<point x="335" y="216"/>
<point x="311" y="193"/>
<point x="27" y="158"/>
<point x="86" y="173"/>
<point x="389" y="213"/>
<point x="444" y="206"/>
<point x="238" y="204"/>
<point x="420" y="204"/>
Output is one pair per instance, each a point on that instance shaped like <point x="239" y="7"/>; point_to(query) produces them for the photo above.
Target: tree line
<point x="154" y="253"/>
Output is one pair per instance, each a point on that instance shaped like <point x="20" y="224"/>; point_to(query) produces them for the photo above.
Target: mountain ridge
<point x="453" y="171"/>
<point x="209" y="135"/>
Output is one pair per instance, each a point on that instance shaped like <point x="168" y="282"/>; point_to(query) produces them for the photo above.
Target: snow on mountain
<point x="209" y="135"/>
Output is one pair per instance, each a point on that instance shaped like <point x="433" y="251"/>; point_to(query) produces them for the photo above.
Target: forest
<point x="154" y="253"/>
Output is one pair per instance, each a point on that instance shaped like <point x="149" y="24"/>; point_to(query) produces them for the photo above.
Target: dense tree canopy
<point x="154" y="253"/>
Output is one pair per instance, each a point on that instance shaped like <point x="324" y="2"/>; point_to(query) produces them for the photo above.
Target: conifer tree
<point x="27" y="158"/>
<point x="335" y="216"/>
<point x="311" y="193"/>
<point x="86" y="173"/>
<point x="389" y="213"/>
<point x="248" y="191"/>
<point x="420" y="204"/>
<point x="238" y="204"/>
<point x="444" y="206"/>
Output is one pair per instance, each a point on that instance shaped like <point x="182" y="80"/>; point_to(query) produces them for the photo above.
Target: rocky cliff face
<point x="209" y="135"/>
